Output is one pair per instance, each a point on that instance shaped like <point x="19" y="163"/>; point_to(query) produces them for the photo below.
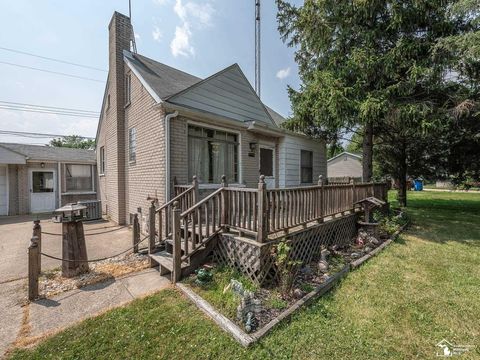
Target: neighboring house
<point x="36" y="179"/>
<point x="345" y="165"/>
<point x="158" y="124"/>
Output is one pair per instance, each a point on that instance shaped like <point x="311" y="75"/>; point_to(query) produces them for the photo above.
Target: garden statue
<point x="251" y="323"/>
<point x="323" y="264"/>
<point x="203" y="276"/>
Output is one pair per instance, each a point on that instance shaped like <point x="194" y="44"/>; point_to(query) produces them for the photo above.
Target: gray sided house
<point x="36" y="179"/>
<point x="345" y="165"/>
<point x="158" y="124"/>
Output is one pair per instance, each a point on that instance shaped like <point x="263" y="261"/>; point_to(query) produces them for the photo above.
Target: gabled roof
<point x="226" y="93"/>
<point x="356" y="156"/>
<point x="50" y="153"/>
<point x="164" y="80"/>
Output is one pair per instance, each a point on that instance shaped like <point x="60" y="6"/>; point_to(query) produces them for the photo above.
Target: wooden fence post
<point x="136" y="233"/>
<point x="352" y="182"/>
<point x="262" y="210"/>
<point x="151" y="228"/>
<point x="37" y="231"/>
<point x="225" y="205"/>
<point x="320" y="200"/>
<point x="177" y="244"/>
<point x="33" y="268"/>
<point x="195" y="189"/>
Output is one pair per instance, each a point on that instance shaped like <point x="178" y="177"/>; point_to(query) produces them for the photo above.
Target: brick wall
<point x="249" y="166"/>
<point x="12" y="189"/>
<point x="146" y="176"/>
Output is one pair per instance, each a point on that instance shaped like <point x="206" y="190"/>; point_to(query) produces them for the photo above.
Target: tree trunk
<point x="367" y="159"/>
<point x="402" y="177"/>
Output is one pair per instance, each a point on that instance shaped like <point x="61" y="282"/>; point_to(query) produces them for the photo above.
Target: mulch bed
<point x="52" y="282"/>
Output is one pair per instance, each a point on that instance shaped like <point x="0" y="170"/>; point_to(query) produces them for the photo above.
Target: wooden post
<point x="33" y="268"/>
<point x="37" y="231"/>
<point x="320" y="201"/>
<point x="262" y="210"/>
<point x="136" y="233"/>
<point x="352" y="182"/>
<point x="151" y="228"/>
<point x="177" y="244"/>
<point x="196" y="197"/>
<point x="225" y="205"/>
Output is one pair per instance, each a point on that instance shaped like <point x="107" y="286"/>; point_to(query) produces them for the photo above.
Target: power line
<point x="3" y="107"/>
<point x="51" y="72"/>
<point x="37" y="135"/>
<point x="52" y="59"/>
<point x="46" y="107"/>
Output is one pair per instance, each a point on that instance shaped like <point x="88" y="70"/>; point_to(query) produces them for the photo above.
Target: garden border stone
<point x="248" y="339"/>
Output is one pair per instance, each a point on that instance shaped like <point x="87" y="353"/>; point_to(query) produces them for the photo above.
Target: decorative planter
<point x="372" y="229"/>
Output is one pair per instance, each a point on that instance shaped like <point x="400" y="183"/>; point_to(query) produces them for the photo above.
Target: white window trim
<point x="70" y="192"/>
<point x="239" y="183"/>
<point x="102" y="164"/>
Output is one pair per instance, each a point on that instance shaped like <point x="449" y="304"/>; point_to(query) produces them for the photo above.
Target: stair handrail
<point x="201" y="202"/>
<point x="179" y="196"/>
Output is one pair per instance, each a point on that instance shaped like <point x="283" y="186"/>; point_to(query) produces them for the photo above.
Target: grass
<point x="227" y="302"/>
<point x="421" y="289"/>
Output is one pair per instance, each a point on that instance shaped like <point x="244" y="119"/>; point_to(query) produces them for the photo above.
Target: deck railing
<point x="259" y="212"/>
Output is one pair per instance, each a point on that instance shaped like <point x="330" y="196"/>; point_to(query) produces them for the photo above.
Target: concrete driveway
<point x="103" y="239"/>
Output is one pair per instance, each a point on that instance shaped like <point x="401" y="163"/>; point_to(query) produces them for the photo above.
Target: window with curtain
<point x="306" y="166"/>
<point x="78" y="177"/>
<point x="211" y="154"/>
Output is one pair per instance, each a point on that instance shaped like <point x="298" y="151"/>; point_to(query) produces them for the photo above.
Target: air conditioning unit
<point x="94" y="209"/>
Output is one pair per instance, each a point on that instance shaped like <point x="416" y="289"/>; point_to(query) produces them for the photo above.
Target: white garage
<point x="3" y="190"/>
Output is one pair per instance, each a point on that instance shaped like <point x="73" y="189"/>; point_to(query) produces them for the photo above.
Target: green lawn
<point x="421" y="289"/>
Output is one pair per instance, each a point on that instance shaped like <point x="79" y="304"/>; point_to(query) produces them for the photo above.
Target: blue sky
<point x="197" y="36"/>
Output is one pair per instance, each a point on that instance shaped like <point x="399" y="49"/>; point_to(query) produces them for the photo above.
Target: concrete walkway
<point x="26" y="324"/>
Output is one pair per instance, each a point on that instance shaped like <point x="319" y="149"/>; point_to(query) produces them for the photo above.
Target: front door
<point x="267" y="165"/>
<point x="42" y="190"/>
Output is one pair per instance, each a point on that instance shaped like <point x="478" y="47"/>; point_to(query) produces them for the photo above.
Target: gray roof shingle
<point x="164" y="80"/>
<point x="49" y="153"/>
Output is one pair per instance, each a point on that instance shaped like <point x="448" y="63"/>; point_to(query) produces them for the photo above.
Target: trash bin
<point x="418" y="185"/>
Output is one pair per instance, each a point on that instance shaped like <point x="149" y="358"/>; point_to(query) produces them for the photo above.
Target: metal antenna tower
<point x="257" y="48"/>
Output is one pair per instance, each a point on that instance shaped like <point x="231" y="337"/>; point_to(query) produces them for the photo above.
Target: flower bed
<point x="228" y="297"/>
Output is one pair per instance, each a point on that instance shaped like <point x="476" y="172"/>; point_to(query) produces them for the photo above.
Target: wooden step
<point x="165" y="261"/>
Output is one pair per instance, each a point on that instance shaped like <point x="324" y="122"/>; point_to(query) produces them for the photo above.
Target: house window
<point x="102" y="160"/>
<point x="211" y="154"/>
<point x="128" y="89"/>
<point x="78" y="177"/>
<point x="132" y="145"/>
<point x="306" y="167"/>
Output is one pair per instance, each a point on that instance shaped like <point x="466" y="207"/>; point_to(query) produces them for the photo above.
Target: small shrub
<point x="287" y="269"/>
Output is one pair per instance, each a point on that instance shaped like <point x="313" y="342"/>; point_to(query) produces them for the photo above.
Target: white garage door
<point x="3" y="190"/>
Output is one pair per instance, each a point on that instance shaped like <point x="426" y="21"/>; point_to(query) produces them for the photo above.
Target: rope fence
<point x="95" y="260"/>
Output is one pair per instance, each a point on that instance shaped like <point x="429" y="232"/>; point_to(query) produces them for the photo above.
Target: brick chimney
<point x="120" y="34"/>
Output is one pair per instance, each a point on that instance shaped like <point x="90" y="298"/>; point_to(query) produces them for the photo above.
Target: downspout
<point x="167" y="153"/>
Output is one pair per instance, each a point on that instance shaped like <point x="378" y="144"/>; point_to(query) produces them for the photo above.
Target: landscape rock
<point x="298" y="293"/>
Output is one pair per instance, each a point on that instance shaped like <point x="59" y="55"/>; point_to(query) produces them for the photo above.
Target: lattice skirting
<point x="257" y="261"/>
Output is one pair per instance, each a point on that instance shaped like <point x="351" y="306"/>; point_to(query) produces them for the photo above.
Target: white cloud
<point x="191" y="12"/>
<point x="192" y="15"/>
<point x="180" y="44"/>
<point x="137" y="36"/>
<point x="283" y="73"/>
<point x="157" y="34"/>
